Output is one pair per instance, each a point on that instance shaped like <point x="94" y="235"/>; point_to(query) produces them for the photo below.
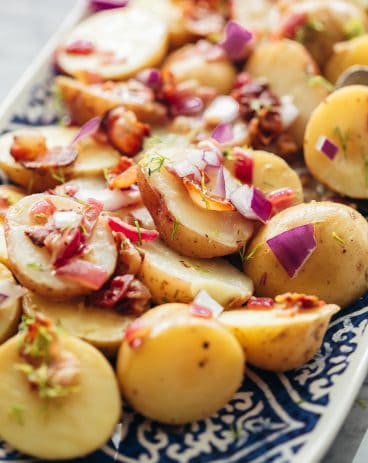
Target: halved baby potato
<point x="342" y="119"/>
<point x="277" y="340"/>
<point x="58" y="428"/>
<point x="92" y="159"/>
<point x="103" y="328"/>
<point x="3" y="248"/>
<point x="270" y="173"/>
<point x="171" y="277"/>
<point x="9" y="314"/>
<point x="193" y="62"/>
<point x="176" y="367"/>
<point x="270" y="61"/>
<point x="346" y="54"/>
<point x="260" y="16"/>
<point x="121" y="42"/>
<point x="184" y="226"/>
<point x="32" y="264"/>
<point x="85" y="101"/>
<point x="336" y="271"/>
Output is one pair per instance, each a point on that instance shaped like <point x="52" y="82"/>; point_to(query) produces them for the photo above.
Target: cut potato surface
<point x="171" y="277"/>
<point x="93" y="158"/>
<point x="270" y="61"/>
<point x="3" y="248"/>
<point x="59" y="428"/>
<point x="198" y="232"/>
<point x="85" y="101"/>
<point x="342" y="120"/>
<point x="186" y="368"/>
<point x="9" y="314"/>
<point x="276" y="341"/>
<point x="336" y="271"/>
<point x="257" y="15"/>
<point x="123" y="42"/>
<point x="271" y="173"/>
<point x="103" y="328"/>
<point x="32" y="264"/>
<point x="346" y="54"/>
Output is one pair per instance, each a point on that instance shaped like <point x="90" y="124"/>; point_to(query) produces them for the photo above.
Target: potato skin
<point x="9" y="315"/>
<point x="341" y="116"/>
<point x="278" y="342"/>
<point x="336" y="272"/>
<point x="70" y="427"/>
<point x="186" y="241"/>
<point x="186" y="369"/>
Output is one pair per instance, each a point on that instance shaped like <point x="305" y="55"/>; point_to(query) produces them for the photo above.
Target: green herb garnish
<point x="138" y="227"/>
<point x="254" y="251"/>
<point x="320" y="80"/>
<point x="35" y="266"/>
<point x="17" y="413"/>
<point x="354" y="28"/>
<point x="154" y="163"/>
<point x="175" y="228"/>
<point x="58" y="175"/>
<point x="343" y="139"/>
<point x="336" y="237"/>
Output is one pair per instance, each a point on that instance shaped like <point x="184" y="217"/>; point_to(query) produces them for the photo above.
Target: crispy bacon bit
<point x="200" y="311"/>
<point x="129" y="260"/>
<point x="28" y="145"/>
<point x="124" y="131"/>
<point x="260" y="108"/>
<point x="299" y="301"/>
<point x="281" y="199"/>
<point x="84" y="273"/>
<point x="260" y="303"/>
<point x="201" y="198"/>
<point x="59" y="156"/>
<point x="40" y="211"/>
<point x="122" y="166"/>
<point x="80" y="47"/>
<point x="136" y="334"/>
<point x="49" y="368"/>
<point x="64" y="246"/>
<point x="126" y="179"/>
<point x="125" y="294"/>
<point x="90" y="217"/>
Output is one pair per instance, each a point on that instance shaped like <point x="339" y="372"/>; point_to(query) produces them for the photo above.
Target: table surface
<point x="25" y="27"/>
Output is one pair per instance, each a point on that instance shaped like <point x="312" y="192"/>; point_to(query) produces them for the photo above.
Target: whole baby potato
<point x="336" y="271"/>
<point x="180" y="367"/>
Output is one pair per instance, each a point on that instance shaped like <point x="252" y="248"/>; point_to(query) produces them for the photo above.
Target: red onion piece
<point x="203" y="299"/>
<point x="186" y="169"/>
<point x="151" y="78"/>
<point x="235" y="40"/>
<point x="327" y="147"/>
<point x="114" y="293"/>
<point x="293" y="248"/>
<point x="260" y="303"/>
<point x="88" y="129"/>
<point x="216" y="181"/>
<point x="187" y="106"/>
<point x="134" y="234"/>
<point x="212" y="158"/>
<point x="223" y="133"/>
<point x="70" y="244"/>
<point x="83" y="272"/>
<point x="10" y="292"/>
<point x="112" y="200"/>
<point x="243" y="166"/>
<point x="80" y="47"/>
<point x="251" y="203"/>
<point x="200" y="311"/>
<point x="99" y="5"/>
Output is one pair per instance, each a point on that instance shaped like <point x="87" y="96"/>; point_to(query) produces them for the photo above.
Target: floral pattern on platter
<point x="269" y="420"/>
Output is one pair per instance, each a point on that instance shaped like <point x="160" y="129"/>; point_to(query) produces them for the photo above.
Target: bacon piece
<point x="83" y="272"/>
<point x="59" y="156"/>
<point x="281" y="199"/>
<point x="113" y="293"/>
<point x="41" y="210"/>
<point x="28" y="144"/>
<point x="80" y="47"/>
<point x="260" y="303"/>
<point x="65" y="246"/>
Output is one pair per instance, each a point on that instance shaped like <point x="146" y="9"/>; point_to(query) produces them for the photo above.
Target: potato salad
<point x="200" y="207"/>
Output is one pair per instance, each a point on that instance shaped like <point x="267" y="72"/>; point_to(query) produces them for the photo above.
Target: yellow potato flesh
<point x="274" y="341"/>
<point x="59" y="428"/>
<point x="171" y="277"/>
<point x="270" y="61"/>
<point x="103" y="328"/>
<point x="93" y="158"/>
<point x="32" y="265"/>
<point x="186" y="369"/>
<point x="341" y="119"/>
<point x="9" y="314"/>
<point x="337" y="270"/>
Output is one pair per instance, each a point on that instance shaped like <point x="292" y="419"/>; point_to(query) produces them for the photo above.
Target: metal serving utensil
<point x="355" y="75"/>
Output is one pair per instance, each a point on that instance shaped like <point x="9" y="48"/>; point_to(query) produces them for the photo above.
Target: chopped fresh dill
<point x="242" y="253"/>
<point x="336" y="237"/>
<point x="254" y="251"/>
<point x="175" y="228"/>
<point x="343" y="139"/>
<point x="17" y="413"/>
<point x="154" y="163"/>
<point x="138" y="227"/>
<point x="320" y="80"/>
<point x="58" y="175"/>
<point x="35" y="266"/>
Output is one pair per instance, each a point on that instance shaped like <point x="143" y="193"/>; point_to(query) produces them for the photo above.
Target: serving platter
<point x="290" y="417"/>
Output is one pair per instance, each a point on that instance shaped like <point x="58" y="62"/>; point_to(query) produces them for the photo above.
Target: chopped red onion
<point x="260" y="303"/>
<point x="151" y="78"/>
<point x="327" y="147"/>
<point x="203" y="299"/>
<point x="99" y="5"/>
<point x="251" y="203"/>
<point x="288" y="111"/>
<point x="243" y="166"/>
<point x="293" y="248"/>
<point x="216" y="181"/>
<point x="223" y="133"/>
<point x="212" y="158"/>
<point x="188" y="106"/>
<point x="196" y="157"/>
<point x="112" y="200"/>
<point x="10" y="292"/>
<point x="200" y="311"/>
<point x="83" y="272"/>
<point x="186" y="169"/>
<point x="88" y="129"/>
<point x="134" y="234"/>
<point x="235" y="40"/>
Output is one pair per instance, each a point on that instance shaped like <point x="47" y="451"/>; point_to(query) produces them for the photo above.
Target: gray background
<point x="25" y="26"/>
